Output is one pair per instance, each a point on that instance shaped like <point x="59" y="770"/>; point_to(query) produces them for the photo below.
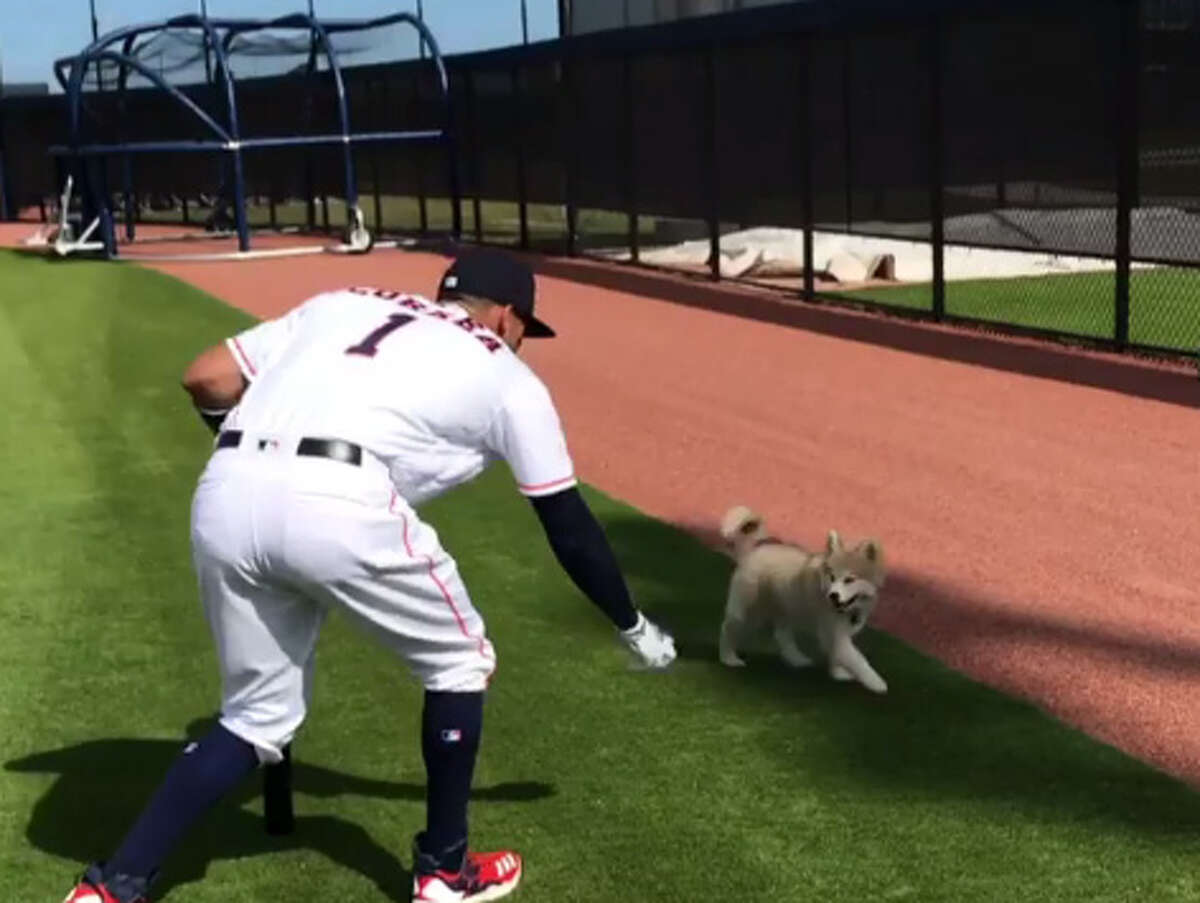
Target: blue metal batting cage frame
<point x="79" y="156"/>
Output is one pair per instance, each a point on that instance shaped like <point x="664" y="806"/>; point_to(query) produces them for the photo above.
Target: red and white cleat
<point x="92" y="889"/>
<point x="484" y="876"/>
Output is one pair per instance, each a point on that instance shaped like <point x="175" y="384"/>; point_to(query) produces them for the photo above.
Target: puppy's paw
<point x="731" y="660"/>
<point x="795" y="658"/>
<point x="837" y="672"/>
<point x="875" y="683"/>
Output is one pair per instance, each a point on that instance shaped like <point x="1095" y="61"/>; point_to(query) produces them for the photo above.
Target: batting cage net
<point x="272" y="108"/>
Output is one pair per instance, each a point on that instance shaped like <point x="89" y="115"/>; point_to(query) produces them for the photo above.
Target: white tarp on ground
<point x="769" y="251"/>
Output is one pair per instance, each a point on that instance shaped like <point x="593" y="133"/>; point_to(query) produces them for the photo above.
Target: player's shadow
<point x="103" y="784"/>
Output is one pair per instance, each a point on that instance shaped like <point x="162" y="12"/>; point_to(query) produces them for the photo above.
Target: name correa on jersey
<point x="489" y="341"/>
<point x="417" y="383"/>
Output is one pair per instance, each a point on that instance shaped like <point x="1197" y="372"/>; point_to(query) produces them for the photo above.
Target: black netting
<point x="888" y="80"/>
<point x="27" y="128"/>
<point x="828" y="129"/>
<point x="603" y="188"/>
<point x="493" y="138"/>
<point x="186" y="56"/>
<point x="671" y="154"/>
<point x="1165" y="225"/>
<point x="545" y="143"/>
<point x="878" y="116"/>
<point x="758" y="87"/>
<point x="1031" y="165"/>
<point x="605" y="15"/>
<point x="676" y="126"/>
<point x="413" y="177"/>
<point x="669" y="120"/>
<point x="1031" y="131"/>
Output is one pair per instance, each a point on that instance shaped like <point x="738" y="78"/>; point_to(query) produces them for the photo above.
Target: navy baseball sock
<point x="203" y="773"/>
<point x="451" y="724"/>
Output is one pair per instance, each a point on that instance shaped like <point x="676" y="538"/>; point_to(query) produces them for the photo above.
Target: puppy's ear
<point x="871" y="550"/>
<point x="833" y="542"/>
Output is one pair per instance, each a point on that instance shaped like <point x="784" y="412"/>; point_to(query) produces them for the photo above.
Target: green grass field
<point x="1164" y="307"/>
<point x="697" y="784"/>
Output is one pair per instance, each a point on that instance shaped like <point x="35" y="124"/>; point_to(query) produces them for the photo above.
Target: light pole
<point x="420" y="18"/>
<point x="207" y="61"/>
<point x="95" y="37"/>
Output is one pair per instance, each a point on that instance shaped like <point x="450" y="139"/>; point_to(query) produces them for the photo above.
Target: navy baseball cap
<point x="498" y="277"/>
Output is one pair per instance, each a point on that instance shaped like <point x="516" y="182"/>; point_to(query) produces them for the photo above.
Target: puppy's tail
<point x="741" y="528"/>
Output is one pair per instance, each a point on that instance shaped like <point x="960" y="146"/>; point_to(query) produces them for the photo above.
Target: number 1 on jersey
<point x="368" y="346"/>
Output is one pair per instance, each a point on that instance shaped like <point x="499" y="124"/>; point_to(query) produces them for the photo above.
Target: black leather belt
<point x="337" y="449"/>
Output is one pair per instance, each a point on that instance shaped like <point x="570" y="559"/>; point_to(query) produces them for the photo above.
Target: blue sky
<point x="30" y="42"/>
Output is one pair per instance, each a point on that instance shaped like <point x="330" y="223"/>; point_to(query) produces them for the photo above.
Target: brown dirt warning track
<point x="1038" y="504"/>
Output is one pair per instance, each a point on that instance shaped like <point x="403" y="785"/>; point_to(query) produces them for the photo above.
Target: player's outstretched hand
<point x="652" y="646"/>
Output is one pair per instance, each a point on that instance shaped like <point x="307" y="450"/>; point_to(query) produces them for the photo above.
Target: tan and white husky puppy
<point x="828" y="597"/>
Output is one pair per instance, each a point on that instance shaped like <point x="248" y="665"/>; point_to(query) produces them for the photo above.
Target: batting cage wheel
<point x="357" y="239"/>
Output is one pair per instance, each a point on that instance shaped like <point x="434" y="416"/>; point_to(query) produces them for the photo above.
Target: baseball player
<point x="333" y="424"/>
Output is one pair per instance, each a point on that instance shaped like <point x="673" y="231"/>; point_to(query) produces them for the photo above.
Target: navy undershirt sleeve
<point x="583" y="551"/>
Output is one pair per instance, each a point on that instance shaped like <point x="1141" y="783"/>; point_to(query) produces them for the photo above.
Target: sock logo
<point x="191" y="748"/>
<point x="451" y="735"/>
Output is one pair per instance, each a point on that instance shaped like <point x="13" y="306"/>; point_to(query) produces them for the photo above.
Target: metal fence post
<point x="239" y="201"/>
<point x="473" y="153"/>
<point x="373" y="87"/>
<point x="127" y="195"/>
<point x="310" y="186"/>
<point x="630" y="141"/>
<point x="937" y="164"/>
<point x="572" y="148"/>
<point x="847" y="144"/>
<point x="518" y="93"/>
<point x="310" y="199"/>
<point x="807" y="201"/>
<point x="422" y="206"/>
<point x="451" y="144"/>
<point x="1128" y="115"/>
<point x="6" y="205"/>
<point x="564" y="18"/>
<point x="60" y="181"/>
<point x="713" y="164"/>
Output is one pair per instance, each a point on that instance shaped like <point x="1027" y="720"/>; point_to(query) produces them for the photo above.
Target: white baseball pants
<point x="278" y="541"/>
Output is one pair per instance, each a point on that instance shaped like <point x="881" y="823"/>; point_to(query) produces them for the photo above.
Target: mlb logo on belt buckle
<point x="264" y="444"/>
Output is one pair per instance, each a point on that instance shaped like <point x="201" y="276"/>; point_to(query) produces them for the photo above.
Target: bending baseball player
<point x="332" y="424"/>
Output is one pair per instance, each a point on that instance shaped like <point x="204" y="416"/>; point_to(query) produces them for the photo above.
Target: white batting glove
<point x="652" y="646"/>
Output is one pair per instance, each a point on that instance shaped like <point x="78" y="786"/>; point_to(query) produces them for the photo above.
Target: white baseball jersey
<point x="279" y="540"/>
<point x="430" y="392"/>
